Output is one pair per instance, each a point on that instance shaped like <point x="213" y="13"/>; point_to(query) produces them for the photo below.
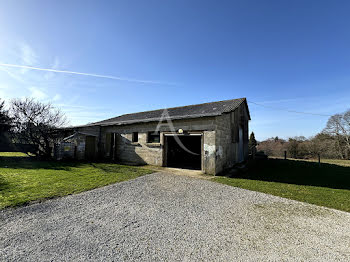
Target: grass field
<point x="325" y="185"/>
<point x="338" y="162"/>
<point x="23" y="179"/>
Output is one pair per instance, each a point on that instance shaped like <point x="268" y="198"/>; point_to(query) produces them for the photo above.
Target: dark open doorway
<point x="178" y="157"/>
<point x="90" y="142"/>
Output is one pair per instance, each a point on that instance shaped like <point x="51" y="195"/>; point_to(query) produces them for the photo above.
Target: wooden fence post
<point x="285" y="155"/>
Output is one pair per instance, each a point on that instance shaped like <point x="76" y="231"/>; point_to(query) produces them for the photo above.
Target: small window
<point x="135" y="137"/>
<point x="153" y="137"/>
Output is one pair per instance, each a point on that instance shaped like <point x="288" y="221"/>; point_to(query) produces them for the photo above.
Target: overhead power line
<point x="290" y="111"/>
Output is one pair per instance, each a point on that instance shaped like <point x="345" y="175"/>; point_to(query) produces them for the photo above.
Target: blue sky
<point x="284" y="54"/>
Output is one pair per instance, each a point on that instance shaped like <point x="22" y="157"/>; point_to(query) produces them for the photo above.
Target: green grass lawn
<point x="12" y="154"/>
<point x="338" y="162"/>
<point x="325" y="185"/>
<point x="23" y="179"/>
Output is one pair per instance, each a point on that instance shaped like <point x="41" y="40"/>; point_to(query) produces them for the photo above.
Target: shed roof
<point x="182" y="112"/>
<point x="76" y="134"/>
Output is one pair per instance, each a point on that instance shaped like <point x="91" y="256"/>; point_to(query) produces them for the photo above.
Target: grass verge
<point x="326" y="185"/>
<point x="339" y="162"/>
<point x="23" y="180"/>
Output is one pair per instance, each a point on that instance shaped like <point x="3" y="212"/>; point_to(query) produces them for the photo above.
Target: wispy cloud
<point x="41" y="94"/>
<point x="37" y="93"/>
<point x="288" y="110"/>
<point x="14" y="76"/>
<point x="72" y="106"/>
<point x="87" y="74"/>
<point x="55" y="65"/>
<point x="4" y="91"/>
<point x="56" y="97"/>
<point x="28" y="56"/>
<point x="79" y="114"/>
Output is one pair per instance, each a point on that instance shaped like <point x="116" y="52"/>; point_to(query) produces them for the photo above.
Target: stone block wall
<point x="80" y="145"/>
<point x="64" y="150"/>
<point x="139" y="152"/>
<point x="81" y="140"/>
<point x="225" y="149"/>
<point x="152" y="153"/>
<point x="209" y="148"/>
<point x="226" y="146"/>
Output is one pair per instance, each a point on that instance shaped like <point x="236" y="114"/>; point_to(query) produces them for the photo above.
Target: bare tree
<point x="339" y="127"/>
<point x="36" y="123"/>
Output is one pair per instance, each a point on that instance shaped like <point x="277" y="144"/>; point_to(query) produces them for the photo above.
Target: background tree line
<point x="332" y="142"/>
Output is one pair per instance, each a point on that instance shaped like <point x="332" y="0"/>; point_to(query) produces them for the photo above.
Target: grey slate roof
<point x="191" y="111"/>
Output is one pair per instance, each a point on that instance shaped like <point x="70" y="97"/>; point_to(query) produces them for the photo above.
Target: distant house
<point x="209" y="137"/>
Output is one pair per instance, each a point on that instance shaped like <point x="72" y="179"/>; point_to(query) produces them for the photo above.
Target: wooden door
<point x="90" y="147"/>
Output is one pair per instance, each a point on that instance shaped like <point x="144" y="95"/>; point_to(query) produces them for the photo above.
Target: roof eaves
<point x="158" y="119"/>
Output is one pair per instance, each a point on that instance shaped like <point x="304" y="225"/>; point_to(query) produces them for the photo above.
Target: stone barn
<point x="210" y="137"/>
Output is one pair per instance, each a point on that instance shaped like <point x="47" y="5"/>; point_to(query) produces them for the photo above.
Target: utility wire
<point x="290" y="111"/>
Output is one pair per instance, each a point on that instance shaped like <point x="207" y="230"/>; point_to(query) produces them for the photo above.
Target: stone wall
<point x="152" y="153"/>
<point x="64" y="150"/>
<point x="209" y="152"/>
<point x="139" y="152"/>
<point x="227" y="147"/>
<point x="77" y="138"/>
<point x="224" y="157"/>
<point x="80" y="147"/>
<point x="80" y="141"/>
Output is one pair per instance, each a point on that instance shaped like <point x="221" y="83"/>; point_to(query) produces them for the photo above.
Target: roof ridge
<point x="242" y="98"/>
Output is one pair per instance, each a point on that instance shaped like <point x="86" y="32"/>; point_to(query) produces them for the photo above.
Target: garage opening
<point x="179" y="157"/>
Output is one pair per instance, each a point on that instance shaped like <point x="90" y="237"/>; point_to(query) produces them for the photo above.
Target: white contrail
<point x="86" y="74"/>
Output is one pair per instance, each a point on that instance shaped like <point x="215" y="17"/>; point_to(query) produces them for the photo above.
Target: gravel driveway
<point x="165" y="217"/>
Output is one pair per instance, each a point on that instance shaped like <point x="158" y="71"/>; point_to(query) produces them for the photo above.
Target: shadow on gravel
<point x="298" y="172"/>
